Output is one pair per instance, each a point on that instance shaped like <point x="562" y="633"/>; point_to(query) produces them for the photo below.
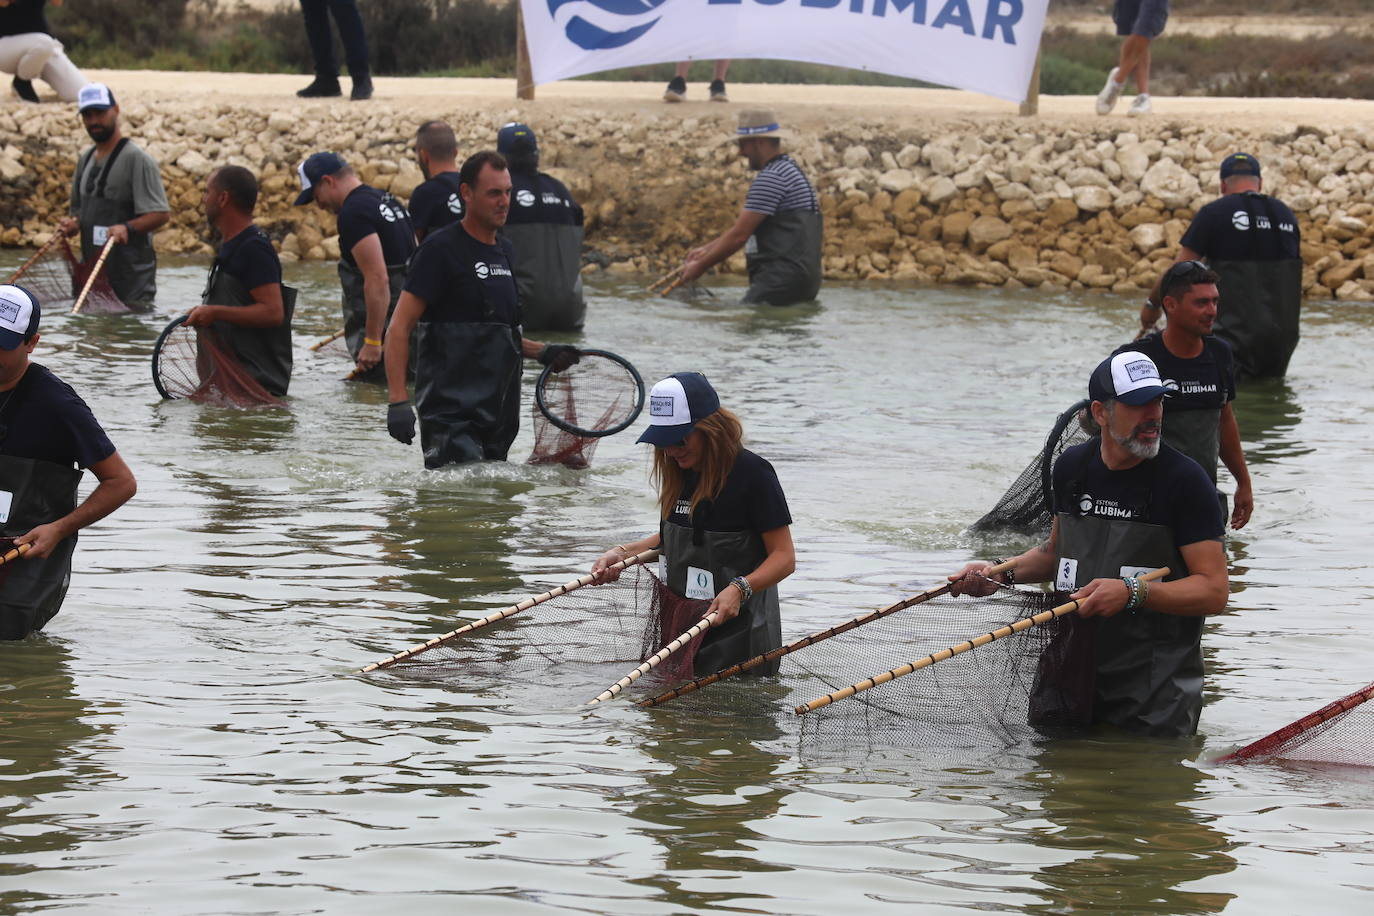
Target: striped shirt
<point x="779" y="187"/>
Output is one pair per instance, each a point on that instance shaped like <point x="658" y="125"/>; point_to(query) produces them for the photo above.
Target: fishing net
<point x="566" y="650"/>
<point x="1340" y="732"/>
<point x="195" y="363"/>
<point x="56" y="277"/>
<point x="602" y="394"/>
<point x="1025" y="507"/>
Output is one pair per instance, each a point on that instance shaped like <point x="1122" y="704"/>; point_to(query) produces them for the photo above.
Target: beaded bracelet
<point x="1008" y="574"/>
<point x="1133" y="587"/>
<point x="743" y="585"/>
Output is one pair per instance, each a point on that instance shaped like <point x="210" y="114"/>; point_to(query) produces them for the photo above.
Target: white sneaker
<point x="1141" y="106"/>
<point x="1106" y="99"/>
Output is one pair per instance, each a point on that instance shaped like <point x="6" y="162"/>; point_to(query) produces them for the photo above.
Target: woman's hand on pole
<point x="726" y="604"/>
<point x="601" y="569"/>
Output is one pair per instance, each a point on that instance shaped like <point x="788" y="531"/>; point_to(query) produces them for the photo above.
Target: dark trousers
<point x="350" y="24"/>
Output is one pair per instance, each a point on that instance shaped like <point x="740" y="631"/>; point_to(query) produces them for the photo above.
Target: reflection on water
<point x="191" y="735"/>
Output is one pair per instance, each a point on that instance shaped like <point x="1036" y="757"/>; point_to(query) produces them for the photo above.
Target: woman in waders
<point x="724" y="533"/>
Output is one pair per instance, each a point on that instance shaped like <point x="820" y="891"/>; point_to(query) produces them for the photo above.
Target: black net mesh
<point x="56" y="277"/>
<point x="601" y="394"/>
<point x="1340" y="732"/>
<point x="1025" y="507"/>
<point x="194" y="363"/>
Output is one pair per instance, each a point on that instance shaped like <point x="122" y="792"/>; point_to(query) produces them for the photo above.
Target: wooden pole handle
<point x="36" y="255"/>
<point x="328" y="340"/>
<point x="15" y="553"/>
<point x="95" y="272"/>
<point x="696" y="629"/>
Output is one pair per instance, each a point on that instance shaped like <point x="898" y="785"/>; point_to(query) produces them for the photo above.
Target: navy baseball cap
<point x="315" y="168"/>
<point x="95" y="97"/>
<point x="1130" y="377"/>
<point x="1239" y="164"/>
<point x="19" y="313"/>
<point x="514" y="136"/>
<point x="676" y="405"/>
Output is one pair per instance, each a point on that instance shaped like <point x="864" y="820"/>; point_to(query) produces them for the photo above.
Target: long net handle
<point x="1271" y="741"/>
<point x="653" y="287"/>
<point x="1000" y="633"/>
<point x="15" y="554"/>
<point x="95" y="272"/>
<point x="36" y="255"/>
<point x="696" y="629"/>
<point x="811" y="640"/>
<point x="328" y="340"/>
<point x="647" y="556"/>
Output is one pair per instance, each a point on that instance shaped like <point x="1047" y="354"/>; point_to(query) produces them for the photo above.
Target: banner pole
<point x="1031" y="106"/>
<point x="524" y="74"/>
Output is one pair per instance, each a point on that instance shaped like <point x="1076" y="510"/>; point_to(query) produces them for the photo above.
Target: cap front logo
<point x="1139" y="369"/>
<point x="9" y="312"/>
<point x="661" y="405"/>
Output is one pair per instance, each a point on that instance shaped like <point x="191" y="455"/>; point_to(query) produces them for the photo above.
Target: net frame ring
<point x="157" y="357"/>
<point x="581" y="431"/>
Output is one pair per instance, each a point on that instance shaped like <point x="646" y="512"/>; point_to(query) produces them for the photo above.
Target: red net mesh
<point x="56" y="277"/>
<point x="599" y="394"/>
<point x="1340" y="732"/>
<point x="558" y="446"/>
<point x="194" y="363"/>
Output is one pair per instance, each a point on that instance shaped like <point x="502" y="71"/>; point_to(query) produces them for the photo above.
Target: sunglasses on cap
<point x="1183" y="269"/>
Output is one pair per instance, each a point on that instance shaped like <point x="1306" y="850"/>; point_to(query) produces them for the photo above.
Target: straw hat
<point x="758" y="122"/>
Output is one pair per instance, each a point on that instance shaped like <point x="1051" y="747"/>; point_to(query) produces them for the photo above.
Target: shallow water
<point x="190" y="736"/>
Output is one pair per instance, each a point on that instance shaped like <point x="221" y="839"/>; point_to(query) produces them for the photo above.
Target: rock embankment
<point x="1011" y="202"/>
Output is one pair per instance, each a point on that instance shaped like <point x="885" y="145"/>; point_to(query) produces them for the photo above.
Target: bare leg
<point x="682" y="69"/>
<point x="721" y="67"/>
<point x="1135" y="58"/>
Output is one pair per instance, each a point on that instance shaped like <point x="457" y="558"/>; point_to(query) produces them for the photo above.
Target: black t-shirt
<point x="46" y="420"/>
<point x="23" y="17"/>
<point x="250" y="258"/>
<point x="1205" y="382"/>
<point x="367" y="211"/>
<point x="462" y="279"/>
<point x="751" y="500"/>
<point x="1170" y="490"/>
<point x="1244" y="227"/>
<point x="540" y="198"/>
<point x="436" y="203"/>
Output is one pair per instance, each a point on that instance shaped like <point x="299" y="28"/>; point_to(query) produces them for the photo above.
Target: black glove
<point x="400" y="422"/>
<point x="560" y="356"/>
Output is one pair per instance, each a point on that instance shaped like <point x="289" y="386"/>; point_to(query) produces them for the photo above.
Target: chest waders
<point x="39" y="492"/>
<point x="548" y="272"/>
<point x="1197" y="434"/>
<point x="264" y="352"/>
<point x="784" y="258"/>
<point x="698" y="561"/>
<point x="132" y="267"/>
<point x="1260" y="305"/>
<point x="467" y="384"/>
<point x="1146" y="667"/>
<point x="355" y="315"/>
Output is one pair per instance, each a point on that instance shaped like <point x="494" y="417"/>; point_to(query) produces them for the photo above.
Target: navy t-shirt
<point x="1170" y="490"/>
<point x="24" y="17"/>
<point x="1244" y="227"/>
<point x="367" y="211"/>
<point x="250" y="258"/>
<point x="45" y="419"/>
<point x="751" y="500"/>
<point x="436" y="203"/>
<point x="462" y="279"/>
<point x="539" y="198"/>
<point x="1205" y="382"/>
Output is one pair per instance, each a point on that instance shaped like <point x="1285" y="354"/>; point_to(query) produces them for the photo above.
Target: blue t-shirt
<point x="367" y="211"/>
<point x="462" y="279"/>
<point x="250" y="258"/>
<point x="751" y="500"/>
<point x="436" y="203"/>
<point x="44" y="419"/>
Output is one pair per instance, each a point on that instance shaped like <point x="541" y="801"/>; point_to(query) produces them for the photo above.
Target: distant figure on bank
<point x="376" y="241"/>
<point x="28" y="50"/>
<point x="117" y="194"/>
<point x="461" y="303"/>
<point x="244" y="299"/>
<point x="350" y="24"/>
<point x="436" y="203"/>
<point x="1140" y="22"/>
<point x="1253" y="243"/>
<point x="47" y="435"/>
<point x="677" y="86"/>
<point x="545" y="226"/>
<point x="1198" y="419"/>
<point x="779" y="227"/>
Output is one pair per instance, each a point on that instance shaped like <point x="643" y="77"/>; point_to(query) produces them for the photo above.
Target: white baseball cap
<point x="676" y="404"/>
<point x="95" y="95"/>
<point x="1130" y="377"/>
<point x="19" y="313"/>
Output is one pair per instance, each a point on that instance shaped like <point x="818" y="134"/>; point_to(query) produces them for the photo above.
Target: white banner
<point x="986" y="46"/>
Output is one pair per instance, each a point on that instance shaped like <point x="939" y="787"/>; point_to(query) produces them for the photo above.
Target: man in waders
<point x="244" y="300"/>
<point x="545" y="226"/>
<point x="460" y="301"/>
<point x="1125" y="504"/>
<point x="779" y="226"/>
<point x="1252" y="242"/>
<point x="376" y="240"/>
<point x="1198" y="368"/>
<point x="435" y="203"/>
<point x="47" y="434"/>
<point x="117" y="195"/>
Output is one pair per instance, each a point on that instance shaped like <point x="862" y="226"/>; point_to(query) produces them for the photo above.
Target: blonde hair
<point x="723" y="435"/>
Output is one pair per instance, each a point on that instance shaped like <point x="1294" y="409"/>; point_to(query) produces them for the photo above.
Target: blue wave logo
<point x="599" y="25"/>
